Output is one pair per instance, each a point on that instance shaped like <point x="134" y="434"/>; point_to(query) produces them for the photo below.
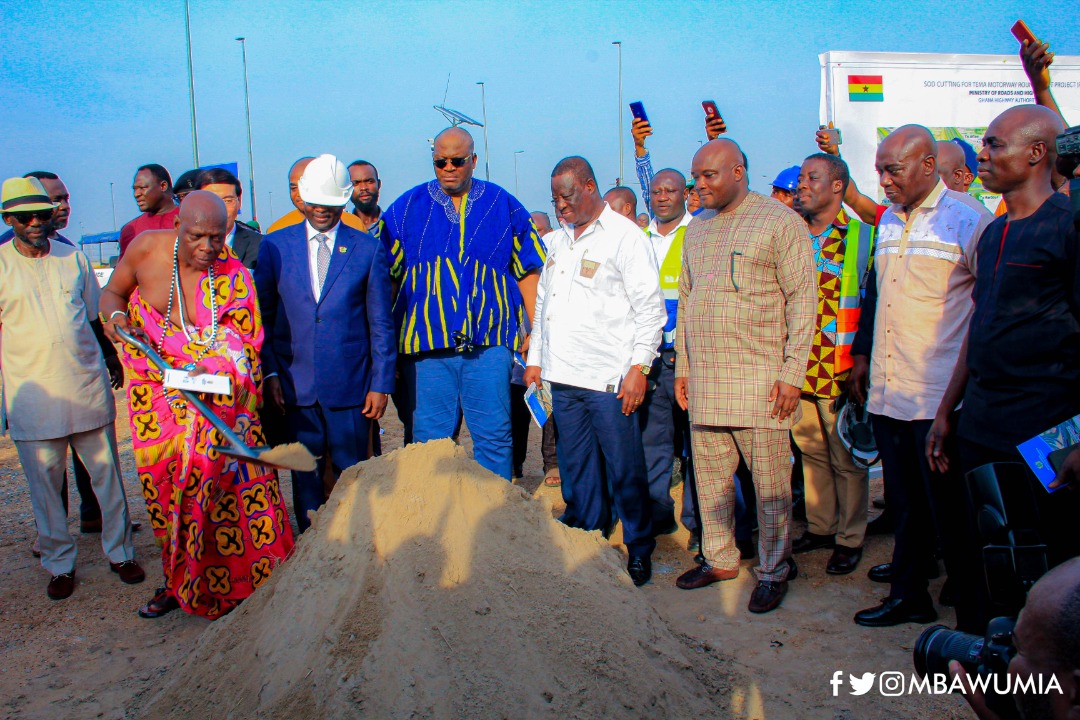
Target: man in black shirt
<point x="1020" y="372"/>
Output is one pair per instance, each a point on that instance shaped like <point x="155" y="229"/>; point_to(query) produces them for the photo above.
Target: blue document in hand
<point x="539" y="403"/>
<point x="1036" y="451"/>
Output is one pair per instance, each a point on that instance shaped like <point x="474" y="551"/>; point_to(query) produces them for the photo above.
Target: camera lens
<point x="937" y="645"/>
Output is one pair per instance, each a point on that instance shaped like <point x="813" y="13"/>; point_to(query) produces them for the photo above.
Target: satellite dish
<point x="456" y="118"/>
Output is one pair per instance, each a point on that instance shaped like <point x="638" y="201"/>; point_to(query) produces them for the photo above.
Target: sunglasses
<point x="25" y="218"/>
<point x="456" y="162"/>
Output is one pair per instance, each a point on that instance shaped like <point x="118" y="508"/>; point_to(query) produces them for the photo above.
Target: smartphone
<point x="1022" y="32"/>
<point x="637" y="109"/>
<point x="834" y="136"/>
<point x="709" y="106"/>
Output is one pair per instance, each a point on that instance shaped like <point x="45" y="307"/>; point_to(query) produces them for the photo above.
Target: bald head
<point x="295" y="173"/>
<point x="952" y="167"/>
<point x="907" y="165"/>
<point x="201" y="227"/>
<point x="1019" y="150"/>
<point x="623" y="201"/>
<point x="719" y="171"/>
<point x="542" y="222"/>
<point x="454" y="150"/>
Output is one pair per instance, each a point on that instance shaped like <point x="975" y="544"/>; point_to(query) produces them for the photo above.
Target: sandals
<point x="552" y="479"/>
<point x="161" y="604"/>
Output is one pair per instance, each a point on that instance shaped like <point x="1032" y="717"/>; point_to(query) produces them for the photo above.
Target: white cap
<point x="326" y="182"/>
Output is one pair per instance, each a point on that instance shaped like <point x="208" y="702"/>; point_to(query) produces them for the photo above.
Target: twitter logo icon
<point x="861" y="686"/>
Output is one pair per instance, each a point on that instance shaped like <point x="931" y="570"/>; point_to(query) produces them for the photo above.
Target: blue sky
<point x="93" y="89"/>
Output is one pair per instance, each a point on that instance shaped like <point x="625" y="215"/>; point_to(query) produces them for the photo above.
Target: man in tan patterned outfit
<point x="747" y="302"/>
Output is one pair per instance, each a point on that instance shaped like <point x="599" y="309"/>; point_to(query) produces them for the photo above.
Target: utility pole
<point x="516" y="153"/>
<point x="620" y="181"/>
<point x="112" y="199"/>
<point x="487" y="153"/>
<point x="191" y="84"/>
<point x="247" y="107"/>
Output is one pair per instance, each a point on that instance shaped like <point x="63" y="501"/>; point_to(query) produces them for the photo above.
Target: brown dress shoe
<point x="767" y="596"/>
<point x="704" y="575"/>
<point x="129" y="571"/>
<point x="61" y="586"/>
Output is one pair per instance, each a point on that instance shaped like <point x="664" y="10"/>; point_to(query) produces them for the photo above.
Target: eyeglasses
<point x="25" y="218"/>
<point x="456" y="162"/>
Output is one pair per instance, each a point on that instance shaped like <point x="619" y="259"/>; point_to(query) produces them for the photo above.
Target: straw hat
<point x="24" y="195"/>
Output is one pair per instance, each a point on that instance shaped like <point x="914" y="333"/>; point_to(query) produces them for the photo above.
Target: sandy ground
<point x="91" y="656"/>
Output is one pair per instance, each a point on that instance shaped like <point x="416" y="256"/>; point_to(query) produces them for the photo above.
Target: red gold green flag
<point x="865" y="88"/>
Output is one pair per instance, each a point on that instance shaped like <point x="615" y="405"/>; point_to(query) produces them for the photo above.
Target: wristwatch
<point x="645" y="369"/>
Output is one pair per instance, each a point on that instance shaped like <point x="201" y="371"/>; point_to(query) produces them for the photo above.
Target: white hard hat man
<point x="329" y="350"/>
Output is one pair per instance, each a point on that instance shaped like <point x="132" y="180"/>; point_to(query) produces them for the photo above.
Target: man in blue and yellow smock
<point x="467" y="258"/>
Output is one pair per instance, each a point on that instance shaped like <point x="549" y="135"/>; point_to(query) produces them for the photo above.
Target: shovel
<point x="293" y="456"/>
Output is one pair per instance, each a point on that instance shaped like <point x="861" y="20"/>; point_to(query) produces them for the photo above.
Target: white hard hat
<point x="326" y="181"/>
<point x="856" y="434"/>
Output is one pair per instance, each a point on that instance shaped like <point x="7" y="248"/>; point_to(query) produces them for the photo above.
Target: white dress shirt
<point x="662" y="243"/>
<point x="313" y="254"/>
<point x="231" y="236"/>
<point x="599" y="309"/>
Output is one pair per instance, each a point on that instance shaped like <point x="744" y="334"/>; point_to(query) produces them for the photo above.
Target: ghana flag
<point x="865" y="88"/>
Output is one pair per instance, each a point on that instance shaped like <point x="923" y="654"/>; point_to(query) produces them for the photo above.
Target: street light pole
<point x="112" y="199"/>
<point x="191" y="84"/>
<point x="487" y="153"/>
<point x="516" y="153"/>
<point x="247" y="107"/>
<point x="619" y="43"/>
<point x="271" y="203"/>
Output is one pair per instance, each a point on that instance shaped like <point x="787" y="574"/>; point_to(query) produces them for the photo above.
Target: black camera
<point x="984" y="656"/>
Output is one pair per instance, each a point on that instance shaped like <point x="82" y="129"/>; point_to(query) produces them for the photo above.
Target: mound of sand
<point x="428" y="587"/>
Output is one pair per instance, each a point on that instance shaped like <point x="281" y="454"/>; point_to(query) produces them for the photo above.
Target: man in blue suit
<point x="330" y="347"/>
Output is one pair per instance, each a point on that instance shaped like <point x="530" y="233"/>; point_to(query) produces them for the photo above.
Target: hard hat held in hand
<point x="325" y="182"/>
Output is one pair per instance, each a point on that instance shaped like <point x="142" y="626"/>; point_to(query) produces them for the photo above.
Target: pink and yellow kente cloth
<point x="221" y="523"/>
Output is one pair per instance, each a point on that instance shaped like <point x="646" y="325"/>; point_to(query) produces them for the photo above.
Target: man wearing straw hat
<point x="56" y="388"/>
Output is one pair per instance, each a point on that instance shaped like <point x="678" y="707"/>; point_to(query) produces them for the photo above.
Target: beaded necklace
<point x="176" y="291"/>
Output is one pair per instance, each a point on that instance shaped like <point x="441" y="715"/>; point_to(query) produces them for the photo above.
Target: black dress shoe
<point x="640" y="569"/>
<point x="844" y="560"/>
<point x="881" y="573"/>
<point x="767" y="596"/>
<point x="812" y="541"/>
<point x="61" y="586"/>
<point x="893" y="611"/>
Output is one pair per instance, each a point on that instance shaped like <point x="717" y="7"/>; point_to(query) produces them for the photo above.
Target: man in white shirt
<point x="55" y="387"/>
<point x="663" y="423"/>
<point x="598" y="321"/>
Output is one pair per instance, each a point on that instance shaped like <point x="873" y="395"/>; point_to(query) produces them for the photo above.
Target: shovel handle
<point x="219" y="424"/>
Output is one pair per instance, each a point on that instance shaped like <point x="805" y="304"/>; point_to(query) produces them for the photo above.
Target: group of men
<point x="718" y="334"/>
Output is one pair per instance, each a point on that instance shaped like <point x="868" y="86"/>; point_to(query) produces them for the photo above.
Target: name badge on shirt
<point x="588" y="268"/>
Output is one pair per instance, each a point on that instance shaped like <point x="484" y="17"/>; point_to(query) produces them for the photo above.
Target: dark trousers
<point x="404" y="395"/>
<point x="520" y="420"/>
<point x="600" y="447"/>
<point x="1057" y="512"/>
<point x="661" y="420"/>
<point x="547" y="444"/>
<point x="922" y="500"/>
<point x="88" y="503"/>
<point x="341" y="433"/>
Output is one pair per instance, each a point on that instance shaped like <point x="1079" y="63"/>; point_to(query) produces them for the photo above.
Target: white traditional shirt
<point x="599" y="309"/>
<point x="925" y="265"/>
<point x="55" y="384"/>
<point x="313" y="254"/>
